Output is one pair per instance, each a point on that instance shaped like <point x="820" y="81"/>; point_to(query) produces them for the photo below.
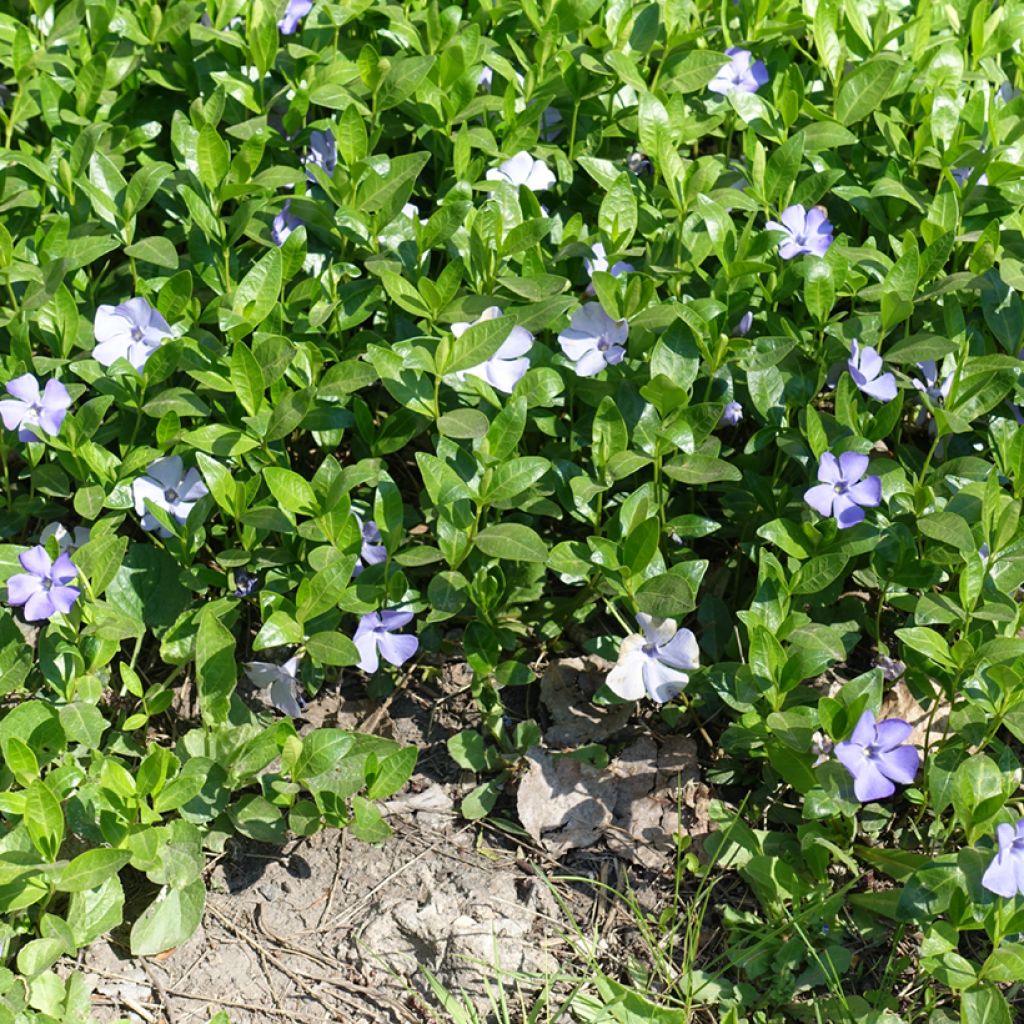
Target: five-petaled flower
<point x="372" y="551"/>
<point x="1005" y="875"/>
<point x="507" y="367"/>
<point x="936" y="388"/>
<point x="655" y="662"/>
<point x="807" y="231"/>
<point x="29" y="412"/>
<point x="741" y="74"/>
<point x="593" y="340"/>
<point x="865" y="366"/>
<point x="132" y="330"/>
<point x="842" y="492"/>
<point x="522" y="169"/>
<point x="375" y="638"/>
<point x="285" y="690"/>
<point x="323" y="153"/>
<point x="284" y="224"/>
<point x="876" y="758"/>
<point x="43" y="588"/>
<point x="167" y="486"/>
<point x="293" y="15"/>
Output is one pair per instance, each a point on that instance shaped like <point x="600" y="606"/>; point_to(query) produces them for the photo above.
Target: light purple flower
<point x="372" y="551"/>
<point x="731" y="414"/>
<point x="169" y="487"/>
<point x="1005" y="875"/>
<point x="66" y="541"/>
<point x="741" y="74"/>
<point x="284" y="224"/>
<point x="937" y="390"/>
<point x="655" y="661"/>
<point x="875" y="757"/>
<point x="550" y="124"/>
<point x="842" y="492"/>
<point x="593" y="340"/>
<point x="522" y="169"/>
<point x="506" y="368"/>
<point x="293" y="15"/>
<point x="865" y="366"/>
<point x="132" y="330"/>
<point x="30" y="412"/>
<point x="599" y="262"/>
<point x="639" y="164"/>
<point x="323" y="153"/>
<point x="807" y="231"/>
<point x="742" y="329"/>
<point x="285" y="689"/>
<point x="961" y="175"/>
<point x="43" y="587"/>
<point x="375" y="638"/>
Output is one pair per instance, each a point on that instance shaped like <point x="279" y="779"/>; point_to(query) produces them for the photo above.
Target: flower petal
<point x="262" y="673"/>
<point x="847" y="512"/>
<point x="63" y="598"/>
<point x="14" y="412"/>
<point x="681" y="651"/>
<point x="662" y="681"/>
<point x="884" y="388"/>
<point x="398" y="648"/>
<point x="38" y="607"/>
<point x="868" y="492"/>
<point x="870" y="784"/>
<point x="794" y="219"/>
<point x="21" y="587"/>
<point x="1000" y="876"/>
<point x="900" y="764"/>
<point x="891" y="732"/>
<point x="865" y="731"/>
<point x="391" y="620"/>
<point x="36" y="561"/>
<point x="283" y="696"/>
<point x="25" y="387"/>
<point x="369" y="661"/>
<point x="821" y="498"/>
<point x="626" y="679"/>
<point x="592" y="362"/>
<point x="852" y="466"/>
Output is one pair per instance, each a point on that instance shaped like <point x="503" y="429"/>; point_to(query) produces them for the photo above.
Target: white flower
<point x="593" y="340"/>
<point x="132" y="330"/>
<point x="169" y="487"/>
<point x="285" y="691"/>
<point x="506" y="367"/>
<point x="653" y="662"/>
<point x="65" y="541"/>
<point x="522" y="169"/>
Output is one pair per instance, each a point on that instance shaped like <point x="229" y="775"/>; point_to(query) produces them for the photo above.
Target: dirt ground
<point x="330" y="929"/>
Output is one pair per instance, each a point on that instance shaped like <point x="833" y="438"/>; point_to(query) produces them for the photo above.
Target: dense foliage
<point x="364" y="336"/>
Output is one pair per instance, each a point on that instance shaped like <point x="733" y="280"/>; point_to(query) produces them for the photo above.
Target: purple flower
<point x="28" y="411"/>
<point x="876" y="759"/>
<point x="742" y="329"/>
<point x="731" y="414"/>
<point x="69" y="542"/>
<point x="654" y="662"/>
<point x="937" y="390"/>
<point x="372" y="551"/>
<point x="132" y="330"/>
<point x="43" y="587"/>
<point x="375" y="638"/>
<point x="167" y="486"/>
<point x="285" y="690"/>
<point x="741" y="74"/>
<point x="807" y="231"/>
<point x="293" y="15"/>
<point x="961" y="175"/>
<point x="593" y="340"/>
<point x="638" y="163"/>
<point x="245" y="583"/>
<point x="599" y="262"/>
<point x="550" y="124"/>
<point x="522" y="169"/>
<point x="284" y="224"/>
<point x="865" y="365"/>
<point x="507" y="367"/>
<point x="323" y="153"/>
<point x="1005" y="875"/>
<point x="842" y="492"/>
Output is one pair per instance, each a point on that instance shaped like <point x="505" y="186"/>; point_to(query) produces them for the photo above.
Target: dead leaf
<point x="566" y="689"/>
<point x="899" y="702"/>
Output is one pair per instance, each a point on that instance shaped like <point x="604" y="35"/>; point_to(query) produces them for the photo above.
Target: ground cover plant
<point x="350" y="338"/>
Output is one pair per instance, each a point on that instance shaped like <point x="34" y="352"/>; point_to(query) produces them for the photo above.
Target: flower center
<point x="651" y="650"/>
<point x="841" y="488"/>
<point x="603" y="344"/>
<point x="136" y="333"/>
<point x="171" y="496"/>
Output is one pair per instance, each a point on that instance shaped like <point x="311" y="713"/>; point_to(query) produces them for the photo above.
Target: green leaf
<point x="293" y="493"/>
<point x="865" y="87"/>
<point x="393" y="773"/>
<point x="512" y="541"/>
<point x="257" y="818"/>
<point x="257" y="293"/>
<point x="701" y="469"/>
<point x="402" y="79"/>
<point x="246" y="378"/>
<point x="215" y="666"/>
<point x="159" y="251"/>
<point x="668" y="596"/>
<point x="819" y="289"/>
<point x="783" y="167"/>
<point x="378" y="190"/>
<point x="213" y="156"/>
<point x="927" y="642"/>
<point x="512" y="478"/>
<point x="44" y="820"/>
<point x="91" y="869"/>
<point x="330" y="648"/>
<point x="478" y="343"/>
<point x="169" y="920"/>
<point x="984" y="1005"/>
<point x="617" y="217"/>
<point x="368" y="824"/>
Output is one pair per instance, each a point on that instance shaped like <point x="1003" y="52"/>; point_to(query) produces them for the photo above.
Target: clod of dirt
<point x="566" y="689"/>
<point x="634" y="803"/>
